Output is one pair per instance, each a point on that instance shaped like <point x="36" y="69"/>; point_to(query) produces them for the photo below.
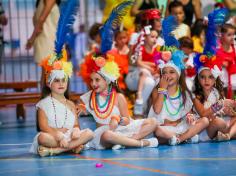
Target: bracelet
<point x="121" y="120"/>
<point x="162" y="91"/>
<point x="116" y="117"/>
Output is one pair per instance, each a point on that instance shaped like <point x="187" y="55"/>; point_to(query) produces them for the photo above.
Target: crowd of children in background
<point x="184" y="85"/>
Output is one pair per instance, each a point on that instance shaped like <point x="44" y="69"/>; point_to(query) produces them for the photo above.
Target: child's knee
<point x="205" y="121"/>
<point x="89" y="133"/>
<point x="107" y="136"/>
<point x="153" y="122"/>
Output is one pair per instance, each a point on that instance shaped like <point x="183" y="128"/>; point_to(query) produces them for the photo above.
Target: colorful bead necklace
<point x="107" y="99"/>
<point x="109" y="104"/>
<point x="55" y="116"/>
<point x="177" y="96"/>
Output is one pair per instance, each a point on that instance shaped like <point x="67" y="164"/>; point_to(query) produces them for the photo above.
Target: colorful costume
<point x="211" y="99"/>
<point x="132" y="128"/>
<point x="174" y="110"/>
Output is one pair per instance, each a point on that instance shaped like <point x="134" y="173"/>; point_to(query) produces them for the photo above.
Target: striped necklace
<point x="108" y="105"/>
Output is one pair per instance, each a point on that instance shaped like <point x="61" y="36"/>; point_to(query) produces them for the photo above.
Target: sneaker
<point x="139" y="101"/>
<point x="138" y="109"/>
<point x="118" y="147"/>
<point x="173" y="141"/>
<point x="153" y="142"/>
<point x="193" y="140"/>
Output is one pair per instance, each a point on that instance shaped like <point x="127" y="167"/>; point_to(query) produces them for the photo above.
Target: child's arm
<point x="123" y="108"/>
<point x="76" y="130"/>
<point x="201" y="110"/>
<point x="159" y="95"/>
<point x="39" y="24"/>
<point x="197" y="9"/>
<point x="43" y="125"/>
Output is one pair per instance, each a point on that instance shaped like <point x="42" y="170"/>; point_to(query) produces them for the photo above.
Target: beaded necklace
<point x="109" y="104"/>
<point x="170" y="100"/>
<point x="107" y="99"/>
<point x="55" y="116"/>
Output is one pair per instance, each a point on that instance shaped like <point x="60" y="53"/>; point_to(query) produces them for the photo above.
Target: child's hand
<point x="113" y="124"/>
<point x="64" y="143"/>
<point x="229" y="103"/>
<point x="190" y="119"/>
<point x="63" y="130"/>
<point x="229" y="111"/>
<point x="75" y="133"/>
<point x="164" y="81"/>
<point x="59" y="136"/>
<point x="80" y="108"/>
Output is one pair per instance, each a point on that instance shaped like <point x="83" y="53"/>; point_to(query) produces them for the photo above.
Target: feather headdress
<point x="56" y="65"/>
<point x="169" y="24"/>
<point x="207" y="59"/>
<point x="171" y="56"/>
<point x="112" y="24"/>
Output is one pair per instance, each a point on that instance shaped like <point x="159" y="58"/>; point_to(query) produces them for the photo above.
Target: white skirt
<point x="127" y="131"/>
<point x="181" y="128"/>
<point x="35" y="144"/>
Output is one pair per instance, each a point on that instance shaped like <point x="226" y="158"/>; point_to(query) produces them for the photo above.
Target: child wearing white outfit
<point x="109" y="109"/>
<point x="172" y="104"/>
<point x="56" y="116"/>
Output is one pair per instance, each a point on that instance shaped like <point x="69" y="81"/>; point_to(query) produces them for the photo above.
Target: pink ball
<point x="99" y="165"/>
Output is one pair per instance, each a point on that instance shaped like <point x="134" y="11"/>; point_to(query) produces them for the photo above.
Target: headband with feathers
<point x="56" y="65"/>
<point x="207" y="59"/>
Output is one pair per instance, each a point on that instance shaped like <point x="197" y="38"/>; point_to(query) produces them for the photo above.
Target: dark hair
<point x="175" y="4"/>
<point x="119" y="32"/>
<point x="186" y="42"/>
<point x="183" y="86"/>
<point x="94" y="30"/>
<point x="199" y="91"/>
<point x="198" y="27"/>
<point x="46" y="91"/>
<point x="225" y="27"/>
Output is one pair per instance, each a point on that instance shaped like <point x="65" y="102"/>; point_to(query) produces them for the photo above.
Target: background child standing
<point x="227" y="53"/>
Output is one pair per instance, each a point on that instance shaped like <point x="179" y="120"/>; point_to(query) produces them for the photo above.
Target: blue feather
<point x="169" y="24"/>
<point x="196" y="61"/>
<point x="215" y="18"/>
<point x="67" y="17"/>
<point x="111" y="24"/>
<point x="178" y="59"/>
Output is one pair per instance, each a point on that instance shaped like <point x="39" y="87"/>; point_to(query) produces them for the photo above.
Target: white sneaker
<point x="139" y="101"/>
<point x="118" y="147"/>
<point x="138" y="109"/>
<point x="173" y="141"/>
<point x="153" y="142"/>
<point x="193" y="140"/>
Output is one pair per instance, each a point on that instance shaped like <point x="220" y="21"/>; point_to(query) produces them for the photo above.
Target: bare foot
<point x="222" y="137"/>
<point x="78" y="149"/>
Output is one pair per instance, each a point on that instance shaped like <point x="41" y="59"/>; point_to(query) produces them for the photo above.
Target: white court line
<point x="15" y="144"/>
